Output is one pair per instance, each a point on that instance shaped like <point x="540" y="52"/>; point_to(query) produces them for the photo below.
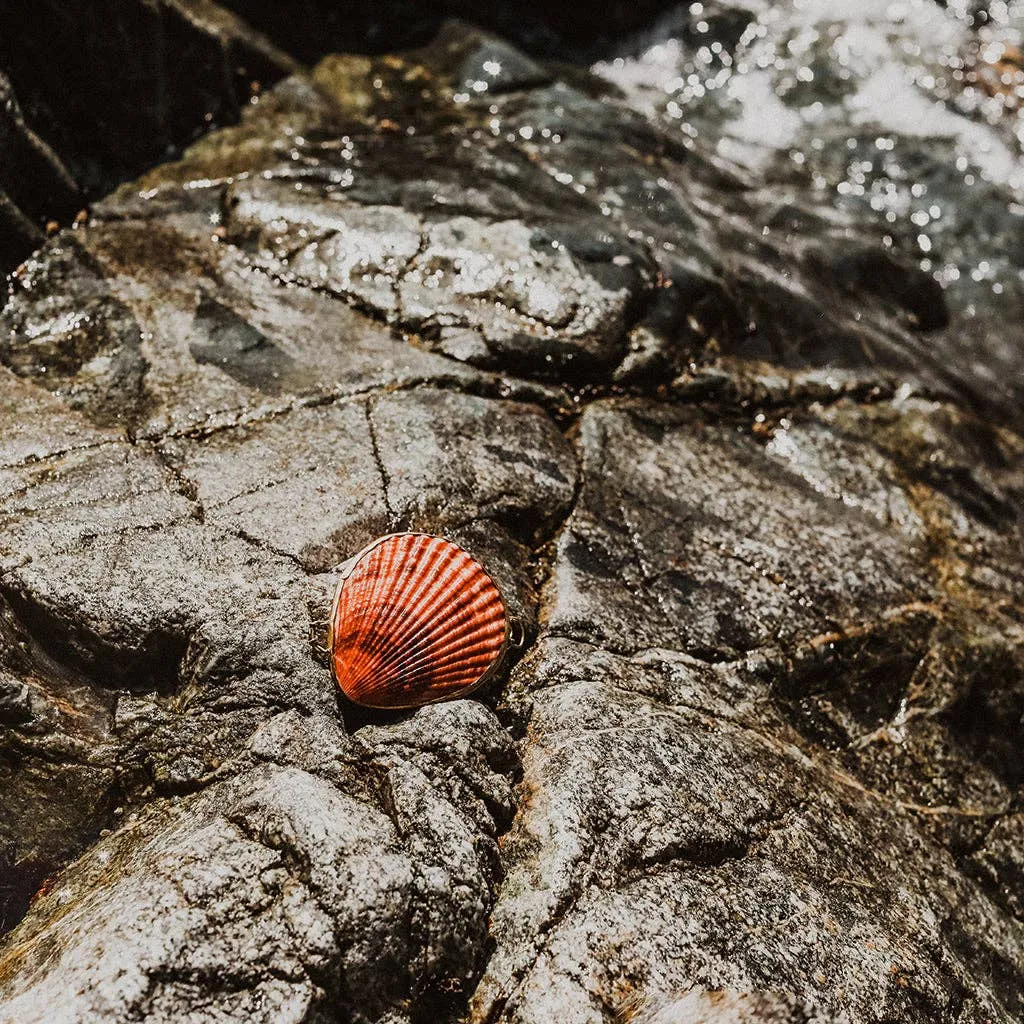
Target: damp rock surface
<point x="751" y="480"/>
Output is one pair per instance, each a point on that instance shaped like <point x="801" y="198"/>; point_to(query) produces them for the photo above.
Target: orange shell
<point x="415" y="620"/>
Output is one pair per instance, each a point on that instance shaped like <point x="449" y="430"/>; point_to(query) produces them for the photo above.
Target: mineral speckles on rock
<point x="768" y="714"/>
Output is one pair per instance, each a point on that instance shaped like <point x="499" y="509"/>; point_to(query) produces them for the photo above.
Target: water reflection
<point x="906" y="114"/>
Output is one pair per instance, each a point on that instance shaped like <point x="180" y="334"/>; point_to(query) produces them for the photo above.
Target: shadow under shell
<point x="416" y="620"/>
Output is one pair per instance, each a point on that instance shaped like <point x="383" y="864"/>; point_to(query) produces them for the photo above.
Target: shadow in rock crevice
<point x="577" y="33"/>
<point x="151" y="663"/>
<point x="58" y="784"/>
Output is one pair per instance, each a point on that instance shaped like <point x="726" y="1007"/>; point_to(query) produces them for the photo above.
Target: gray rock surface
<point x="754" y="499"/>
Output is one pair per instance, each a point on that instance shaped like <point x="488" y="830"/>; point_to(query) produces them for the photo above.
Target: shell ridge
<point x="486" y="649"/>
<point x="394" y="553"/>
<point x="417" y="619"/>
<point x="444" y="681"/>
<point x="360" y="657"/>
<point x="424" y="613"/>
<point x="482" y="649"/>
<point x="472" y="629"/>
<point x="438" y="639"/>
<point x="418" y="583"/>
<point x="369" y="626"/>
<point x="409" y="580"/>
<point x="485" y="597"/>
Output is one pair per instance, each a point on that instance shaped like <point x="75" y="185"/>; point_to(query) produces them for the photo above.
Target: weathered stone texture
<point x="751" y="488"/>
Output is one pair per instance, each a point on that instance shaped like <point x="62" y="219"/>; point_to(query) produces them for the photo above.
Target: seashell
<point x="415" y="620"/>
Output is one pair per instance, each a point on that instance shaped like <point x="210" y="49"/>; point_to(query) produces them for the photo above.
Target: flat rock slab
<point x="759" y="758"/>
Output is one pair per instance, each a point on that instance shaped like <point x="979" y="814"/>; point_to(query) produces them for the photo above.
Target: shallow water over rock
<point x="891" y="128"/>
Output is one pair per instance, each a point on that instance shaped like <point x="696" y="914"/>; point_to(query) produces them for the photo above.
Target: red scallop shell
<point x="415" y="620"/>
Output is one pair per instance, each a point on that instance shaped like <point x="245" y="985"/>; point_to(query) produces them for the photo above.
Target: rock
<point x="34" y="185"/>
<point x="999" y="859"/>
<point x="754" y="505"/>
<point x="724" y="1007"/>
<point x="908" y="184"/>
<point x="285" y="893"/>
<point x="630" y="851"/>
<point x="169" y="70"/>
<point x="317" y="27"/>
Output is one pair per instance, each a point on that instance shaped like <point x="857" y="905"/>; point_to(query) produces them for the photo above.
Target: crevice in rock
<point x="180" y="481"/>
<point x="276" y="273"/>
<point x="710" y="854"/>
<point x="488" y="386"/>
<point x="40" y="457"/>
<point x="263" y="546"/>
<point x="864" y="680"/>
<point x="544" y="548"/>
<point x="385" y="482"/>
<point x="705" y="655"/>
<point x="54" y="724"/>
<point x="988" y="718"/>
<point x="329" y="979"/>
<point x="1003" y="888"/>
<point x="23" y="883"/>
<point x="499" y="815"/>
<point x="705" y="854"/>
<point x="152" y="664"/>
<point x="121" y="531"/>
<point x="1004" y="978"/>
<point x="356" y="716"/>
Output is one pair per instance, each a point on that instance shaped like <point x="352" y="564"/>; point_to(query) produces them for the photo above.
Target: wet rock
<point x="999" y="859"/>
<point x="546" y="302"/>
<point x="85" y="345"/>
<point x="492" y="66"/>
<point x="625" y="583"/>
<point x="726" y="1007"/>
<point x="34" y="185"/>
<point x="917" y="176"/>
<point x="285" y="893"/>
<point x="833" y="709"/>
<point x="907" y="288"/>
<point x="753" y="504"/>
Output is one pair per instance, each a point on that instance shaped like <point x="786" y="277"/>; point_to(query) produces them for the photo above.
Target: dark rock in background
<point x="747" y="467"/>
<point x="93" y="93"/>
<point x="34" y="184"/>
<point x="174" y="69"/>
<point x="311" y="28"/>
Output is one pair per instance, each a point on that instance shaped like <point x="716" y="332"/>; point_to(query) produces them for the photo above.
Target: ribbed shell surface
<point x="417" y="620"/>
